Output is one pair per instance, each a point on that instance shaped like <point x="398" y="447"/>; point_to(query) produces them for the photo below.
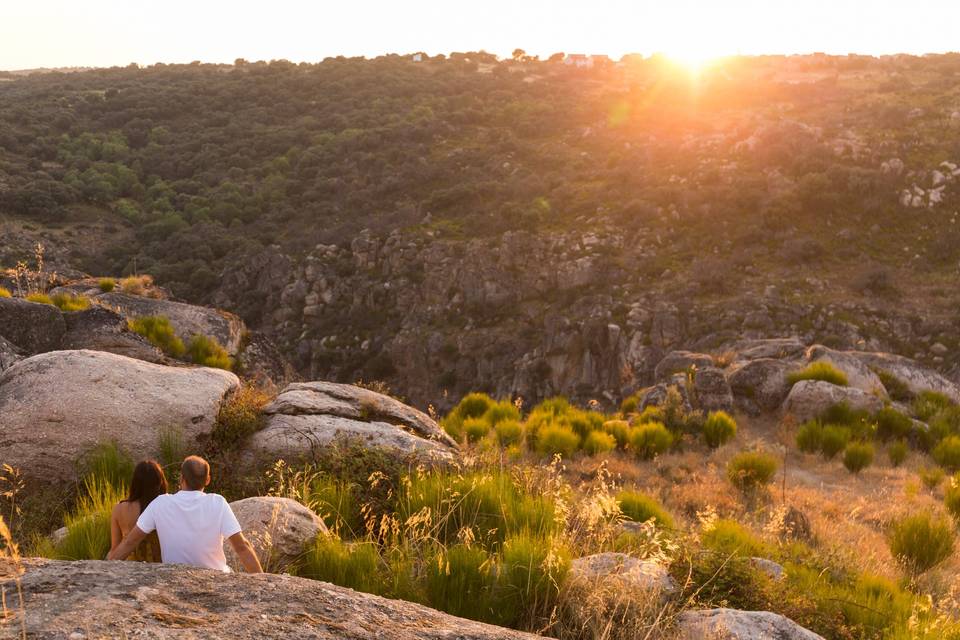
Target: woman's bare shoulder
<point x="126" y="509"/>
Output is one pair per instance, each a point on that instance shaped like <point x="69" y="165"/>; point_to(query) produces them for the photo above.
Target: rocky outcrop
<point x="859" y="375"/>
<point x="9" y="355"/>
<point x="775" y="348"/>
<point x="57" y="405"/>
<point x="731" y="624"/>
<point x="96" y="599"/>
<point x="278" y="528"/>
<point x="187" y="319"/>
<point x="628" y="571"/>
<point x="809" y="398"/>
<point x="31" y="326"/>
<point x="310" y="416"/>
<point x="759" y="385"/>
<point x="917" y="377"/>
<point x="711" y="391"/>
<point x="680" y="362"/>
<point x="101" y="329"/>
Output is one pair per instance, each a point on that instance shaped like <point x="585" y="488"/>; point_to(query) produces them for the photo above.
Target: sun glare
<point x="693" y="58"/>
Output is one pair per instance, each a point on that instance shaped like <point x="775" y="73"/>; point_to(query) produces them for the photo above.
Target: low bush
<point x="843" y="414"/>
<point x="509" y="432"/>
<point x="858" y="456"/>
<point x="136" y="285"/>
<point x="475" y="429"/>
<point x="929" y="403"/>
<point x="159" y="332"/>
<point x="810" y="436"/>
<point x="240" y="416"/>
<point x="500" y="411"/>
<point x="896" y="388"/>
<point x="732" y="539"/>
<point x="39" y="298"/>
<point x="557" y="439"/>
<point x="640" y="507"/>
<point x="649" y="440"/>
<point x="947" y="453"/>
<point x="892" y="425"/>
<point x="653" y="413"/>
<point x="897" y="453"/>
<point x="207" y="352"/>
<point x="68" y="302"/>
<point x="532" y="572"/>
<point x="619" y="429"/>
<point x="834" y="439"/>
<point x="107" y="284"/>
<point x="951" y="499"/>
<point x="629" y="405"/>
<point x="598" y="442"/>
<point x="472" y="405"/>
<point x="920" y="542"/>
<point x="822" y="371"/>
<point x="88" y="525"/>
<point x="4" y="292"/>
<point x="462" y="582"/>
<point x="931" y="477"/>
<point x="751" y="470"/>
<point x="718" y="429"/>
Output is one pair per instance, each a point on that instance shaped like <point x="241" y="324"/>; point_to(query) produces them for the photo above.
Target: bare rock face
<point x="759" y="385"/>
<point x="9" y="355"/>
<point x="97" y="599"/>
<point x="629" y="571"/>
<point x="56" y="406"/>
<point x="917" y="377"/>
<point x="711" y="390"/>
<point x="101" y="329"/>
<point x="187" y="319"/>
<point x="809" y="398"/>
<point x="858" y="374"/>
<point x="679" y="362"/>
<point x="732" y="624"/>
<point x="776" y="348"/>
<point x="31" y="326"/>
<point x="278" y="528"/>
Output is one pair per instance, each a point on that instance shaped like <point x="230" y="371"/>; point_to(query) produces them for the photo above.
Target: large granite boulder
<point x="9" y="355"/>
<point x="776" y="348"/>
<point x="102" y="329"/>
<point x="917" y="377"/>
<point x="97" y="599"/>
<point x="310" y="416"/>
<point x="278" y="528"/>
<point x="187" y="319"/>
<point x="731" y="624"/>
<point x="56" y="406"/>
<point x="859" y="375"/>
<point x="711" y="390"/>
<point x="809" y="398"/>
<point x="31" y="326"/>
<point x="759" y="385"/>
<point x="680" y="362"/>
<point x="629" y="572"/>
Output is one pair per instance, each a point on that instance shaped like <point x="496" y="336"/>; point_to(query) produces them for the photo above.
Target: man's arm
<point x="244" y="551"/>
<point x="125" y="548"/>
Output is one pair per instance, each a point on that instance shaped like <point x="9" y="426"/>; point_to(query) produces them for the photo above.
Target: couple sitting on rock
<point x="190" y="525"/>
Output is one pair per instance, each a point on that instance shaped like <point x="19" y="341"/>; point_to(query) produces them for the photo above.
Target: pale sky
<point x="60" y="33"/>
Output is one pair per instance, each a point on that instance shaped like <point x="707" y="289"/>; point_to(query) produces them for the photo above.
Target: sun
<point x="694" y="58"/>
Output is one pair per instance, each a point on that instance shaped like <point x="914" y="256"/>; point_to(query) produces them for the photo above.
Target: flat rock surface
<point x="97" y="599"/>
<point x="58" y="405"/>
<point x="731" y="624"/>
<point x="102" y="329"/>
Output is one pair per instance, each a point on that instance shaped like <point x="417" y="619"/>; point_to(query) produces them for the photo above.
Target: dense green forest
<point x="204" y="162"/>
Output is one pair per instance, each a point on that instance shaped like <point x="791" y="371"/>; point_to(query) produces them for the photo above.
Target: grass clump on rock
<point x="68" y="302"/>
<point x="858" y="456"/>
<point x="4" y="292"/>
<point x="822" y="371"/>
<point x="159" y="332"/>
<point x="718" y="429"/>
<point x="640" y="507"/>
<point x="649" y="440"/>
<point x="207" y="352"/>
<point x="920" y="542"/>
<point x="896" y="388"/>
<point x="751" y="470"/>
<point x="240" y="416"/>
<point x="136" y="285"/>
<point x="39" y="298"/>
<point x="107" y="285"/>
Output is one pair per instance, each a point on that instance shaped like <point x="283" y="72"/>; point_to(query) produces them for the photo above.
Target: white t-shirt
<point x="191" y="526"/>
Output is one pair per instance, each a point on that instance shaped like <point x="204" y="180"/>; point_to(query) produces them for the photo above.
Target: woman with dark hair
<point x="148" y="482"/>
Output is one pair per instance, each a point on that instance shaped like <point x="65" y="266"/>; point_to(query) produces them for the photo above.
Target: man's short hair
<point x="195" y="472"/>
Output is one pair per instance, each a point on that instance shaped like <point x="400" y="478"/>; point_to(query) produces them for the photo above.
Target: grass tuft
<point x="822" y="371"/>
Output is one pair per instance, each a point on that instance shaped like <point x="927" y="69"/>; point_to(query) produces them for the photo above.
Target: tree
<point x="519" y="54"/>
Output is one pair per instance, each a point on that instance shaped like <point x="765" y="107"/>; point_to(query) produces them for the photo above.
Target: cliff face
<point x="587" y="315"/>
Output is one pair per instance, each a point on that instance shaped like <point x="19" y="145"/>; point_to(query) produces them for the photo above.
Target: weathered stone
<point x="101" y="329"/>
<point x="56" y="406"/>
<point x="795" y="525"/>
<point x="731" y="624"/>
<point x="187" y="319"/>
<point x="631" y="572"/>
<point x="278" y="528"/>
<point x="759" y="385"/>
<point x="711" y="390"/>
<point x="31" y="326"/>
<point x="9" y="355"/>
<point x="778" y="348"/>
<point x="917" y="377"/>
<point x="680" y="362"/>
<point x="98" y="599"/>
<point x="809" y="398"/>
<point x="859" y="376"/>
<point x="773" y="570"/>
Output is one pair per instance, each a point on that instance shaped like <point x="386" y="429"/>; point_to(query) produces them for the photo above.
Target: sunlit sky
<point x="59" y="33"/>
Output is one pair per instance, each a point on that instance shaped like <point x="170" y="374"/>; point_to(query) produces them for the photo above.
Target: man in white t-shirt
<point x="191" y="525"/>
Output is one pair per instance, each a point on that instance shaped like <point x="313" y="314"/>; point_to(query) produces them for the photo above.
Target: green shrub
<point x="619" y="429"/>
<point x="920" y="542"/>
<point x="475" y="429"/>
<point x="719" y="429"/>
<point x="892" y="425"/>
<point x="67" y="302"/>
<point x="929" y="403"/>
<point x="951" y="499"/>
<point x="159" y="332"/>
<point x="947" y="453"/>
<point x="834" y="440"/>
<point x="533" y="570"/>
<point x="473" y="405"/>
<point x="107" y="463"/>
<point x="750" y="470"/>
<point x="4" y="292"/>
<point x="731" y="539"/>
<point x="39" y="298"/>
<point x="462" y="582"/>
<point x="897" y="453"/>
<point x="629" y="405"/>
<point x="810" y="437"/>
<point x="598" y="442"/>
<point x="500" y="411"/>
<point x="136" y="285"/>
<point x="453" y="425"/>
<point x="240" y="416"/>
<point x="843" y="414"/>
<point x="653" y="413"/>
<point x="650" y="440"/>
<point x="639" y="507"/>
<point x="823" y="371"/>
<point x="509" y="432"/>
<point x="557" y="439"/>
<point x="352" y="565"/>
<point x="896" y="388"/>
<point x="931" y="477"/>
<point x="207" y="352"/>
<point x="858" y="456"/>
<point x="107" y="284"/>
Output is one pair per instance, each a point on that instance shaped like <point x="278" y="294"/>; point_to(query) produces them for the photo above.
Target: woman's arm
<point x="129" y="543"/>
<point x="115" y="534"/>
